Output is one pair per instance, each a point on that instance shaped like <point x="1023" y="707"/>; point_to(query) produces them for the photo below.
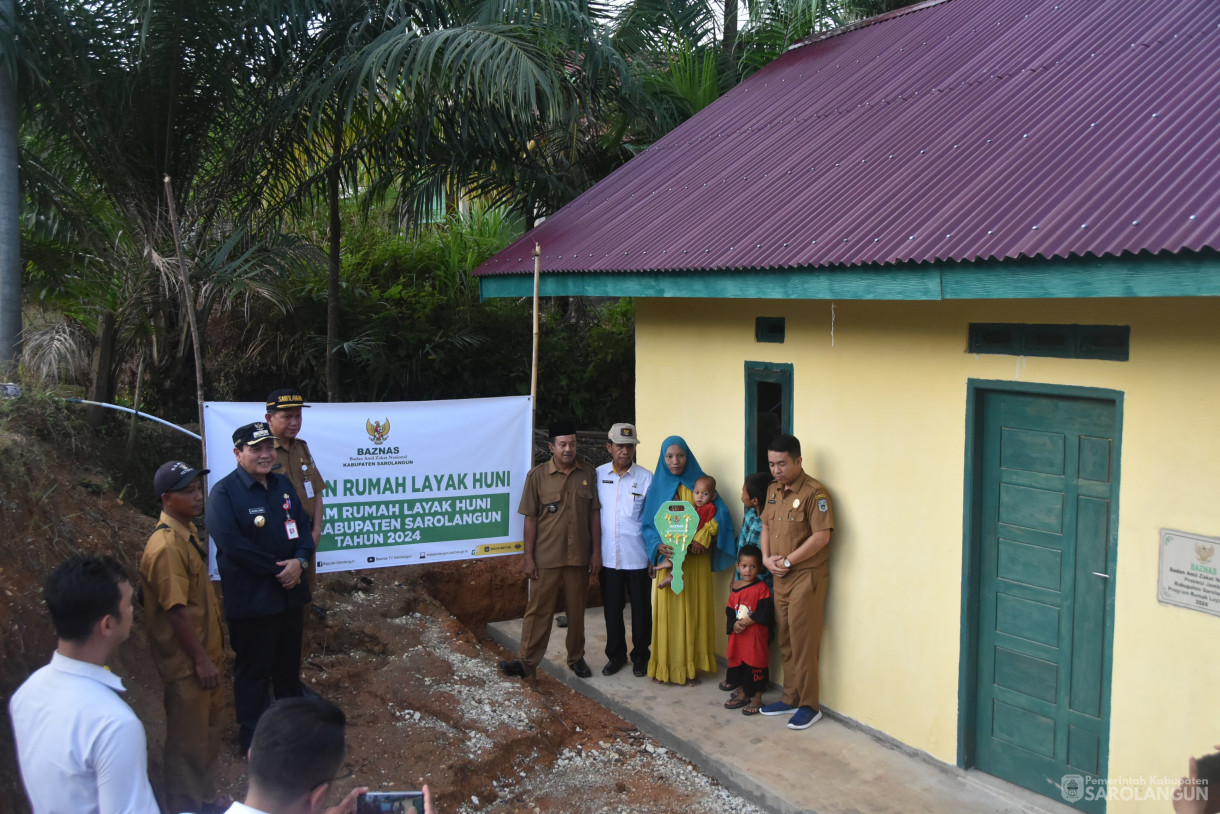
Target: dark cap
<point x="175" y="475"/>
<point x="285" y="399"/>
<point x="562" y="428"/>
<point x="251" y="434"/>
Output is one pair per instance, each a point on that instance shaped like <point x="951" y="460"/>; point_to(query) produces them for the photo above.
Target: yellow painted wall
<point x="880" y="408"/>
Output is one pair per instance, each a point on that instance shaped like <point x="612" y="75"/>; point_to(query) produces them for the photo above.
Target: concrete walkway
<point x="835" y="767"/>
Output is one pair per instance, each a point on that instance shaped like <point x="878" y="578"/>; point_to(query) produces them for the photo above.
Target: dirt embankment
<point x="402" y="650"/>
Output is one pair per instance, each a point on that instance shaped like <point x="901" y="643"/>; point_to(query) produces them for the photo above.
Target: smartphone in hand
<point x="390" y="802"/>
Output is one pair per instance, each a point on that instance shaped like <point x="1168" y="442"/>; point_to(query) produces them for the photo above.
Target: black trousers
<point x="619" y="586"/>
<point x="268" y="658"/>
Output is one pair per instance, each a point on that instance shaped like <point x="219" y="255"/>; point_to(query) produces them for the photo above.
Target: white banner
<point x="407" y="482"/>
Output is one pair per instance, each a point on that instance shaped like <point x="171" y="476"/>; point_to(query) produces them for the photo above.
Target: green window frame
<point x="1107" y="342"/>
<point x="768" y="392"/>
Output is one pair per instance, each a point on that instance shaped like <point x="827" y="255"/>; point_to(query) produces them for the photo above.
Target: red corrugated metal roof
<point x="959" y="130"/>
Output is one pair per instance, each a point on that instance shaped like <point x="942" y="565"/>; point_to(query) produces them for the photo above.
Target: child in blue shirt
<point x="753" y="493"/>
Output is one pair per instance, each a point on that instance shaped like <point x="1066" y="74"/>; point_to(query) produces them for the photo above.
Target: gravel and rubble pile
<point x="481" y="741"/>
<point x="623" y="775"/>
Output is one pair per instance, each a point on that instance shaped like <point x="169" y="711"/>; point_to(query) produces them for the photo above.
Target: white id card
<point x="290" y="526"/>
<point x="308" y="490"/>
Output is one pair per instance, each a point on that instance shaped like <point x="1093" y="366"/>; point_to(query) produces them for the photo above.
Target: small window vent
<point x="769" y="329"/>
<point x="1109" y="342"/>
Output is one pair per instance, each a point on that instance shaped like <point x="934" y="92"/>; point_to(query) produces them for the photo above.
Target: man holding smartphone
<point x="296" y="755"/>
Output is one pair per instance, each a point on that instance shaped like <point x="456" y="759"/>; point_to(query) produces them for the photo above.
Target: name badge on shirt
<point x="308" y="490"/>
<point x="290" y="526"/>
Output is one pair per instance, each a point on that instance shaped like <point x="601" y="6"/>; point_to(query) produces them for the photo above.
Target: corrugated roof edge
<point x="1184" y="253"/>
<point x="1131" y="274"/>
<point x="867" y="21"/>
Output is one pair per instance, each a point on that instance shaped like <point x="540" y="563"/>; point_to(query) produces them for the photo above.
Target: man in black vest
<point x="264" y="542"/>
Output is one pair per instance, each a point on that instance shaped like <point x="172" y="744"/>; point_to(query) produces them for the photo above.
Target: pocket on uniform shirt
<point x="194" y="564"/>
<point x="637" y="506"/>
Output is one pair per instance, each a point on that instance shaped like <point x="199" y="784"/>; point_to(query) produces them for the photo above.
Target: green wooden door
<point x="1048" y="486"/>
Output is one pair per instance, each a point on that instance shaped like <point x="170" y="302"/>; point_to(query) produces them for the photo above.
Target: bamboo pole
<point x="534" y="366"/>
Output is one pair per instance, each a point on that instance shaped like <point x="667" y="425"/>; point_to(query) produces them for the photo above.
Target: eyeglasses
<point x="345" y="775"/>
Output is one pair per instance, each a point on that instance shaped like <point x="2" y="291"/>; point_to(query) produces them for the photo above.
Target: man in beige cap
<point x="621" y="486"/>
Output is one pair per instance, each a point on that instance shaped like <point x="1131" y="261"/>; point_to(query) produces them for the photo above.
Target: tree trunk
<point x="333" y="266"/>
<point x="188" y="295"/>
<point x="102" y="387"/>
<point x="730" y="29"/>
<point x="10" y="201"/>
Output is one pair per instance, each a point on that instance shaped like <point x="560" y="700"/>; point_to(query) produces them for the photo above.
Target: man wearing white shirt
<point x="621" y="486"/>
<point x="296" y="756"/>
<point x="80" y="748"/>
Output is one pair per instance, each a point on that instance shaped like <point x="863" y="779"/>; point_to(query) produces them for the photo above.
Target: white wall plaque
<point x="1190" y="571"/>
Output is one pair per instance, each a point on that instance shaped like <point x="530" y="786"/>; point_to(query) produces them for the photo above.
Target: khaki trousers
<point x="573" y="580"/>
<point x="193" y="720"/>
<point x="800" y="607"/>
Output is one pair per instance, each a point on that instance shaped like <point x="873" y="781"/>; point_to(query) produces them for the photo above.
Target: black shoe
<point x="581" y="669"/>
<point x="561" y="621"/>
<point x="640" y="670"/>
<point x="513" y="668"/>
<point x="612" y="667"/>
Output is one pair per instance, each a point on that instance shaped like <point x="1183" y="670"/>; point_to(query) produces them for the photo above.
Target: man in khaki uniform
<point x="295" y="462"/>
<point x="293" y="456"/>
<point x="562" y="549"/>
<point x="184" y="633"/>
<point x="797" y="520"/>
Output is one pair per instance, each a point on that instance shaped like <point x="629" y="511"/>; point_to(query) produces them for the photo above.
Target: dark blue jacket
<point x="246" y="554"/>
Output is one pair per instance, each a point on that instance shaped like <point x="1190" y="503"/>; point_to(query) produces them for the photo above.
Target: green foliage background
<point x="418" y="330"/>
<point x="217" y="200"/>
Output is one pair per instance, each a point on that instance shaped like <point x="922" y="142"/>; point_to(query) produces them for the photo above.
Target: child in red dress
<point x="750" y="616"/>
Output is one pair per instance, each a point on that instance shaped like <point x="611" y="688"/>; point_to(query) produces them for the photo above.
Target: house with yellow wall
<point x="967" y="253"/>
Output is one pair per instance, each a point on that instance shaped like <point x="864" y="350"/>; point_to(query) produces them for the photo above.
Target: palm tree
<point x="10" y="236"/>
<point x="138" y="179"/>
<point x="472" y="87"/>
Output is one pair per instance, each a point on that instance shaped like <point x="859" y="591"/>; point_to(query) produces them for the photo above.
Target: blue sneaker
<point x="778" y="708"/>
<point x="804" y="718"/>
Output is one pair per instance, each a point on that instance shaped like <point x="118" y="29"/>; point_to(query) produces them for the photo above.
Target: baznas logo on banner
<point x="378" y="433"/>
<point x="454" y="496"/>
<point x="378" y="430"/>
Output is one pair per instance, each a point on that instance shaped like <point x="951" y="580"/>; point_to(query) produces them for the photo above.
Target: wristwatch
<point x="304" y="563"/>
<point x="787" y="564"/>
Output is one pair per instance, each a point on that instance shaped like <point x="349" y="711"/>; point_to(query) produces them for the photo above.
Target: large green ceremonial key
<point x="677" y="521"/>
